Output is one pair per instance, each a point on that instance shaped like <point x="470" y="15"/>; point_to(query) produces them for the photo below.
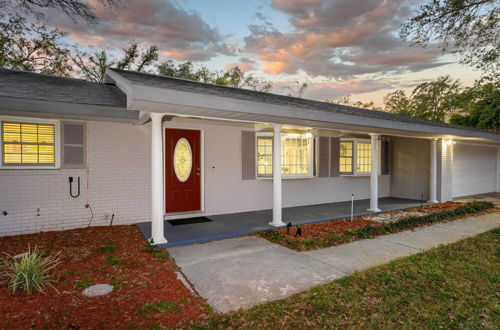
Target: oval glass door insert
<point x="183" y="160"/>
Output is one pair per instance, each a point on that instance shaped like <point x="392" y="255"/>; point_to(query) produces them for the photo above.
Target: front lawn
<point x="325" y="234"/>
<point x="146" y="291"/>
<point x="454" y="286"/>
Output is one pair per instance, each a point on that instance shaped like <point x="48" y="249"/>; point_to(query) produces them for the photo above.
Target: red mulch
<point x="144" y="279"/>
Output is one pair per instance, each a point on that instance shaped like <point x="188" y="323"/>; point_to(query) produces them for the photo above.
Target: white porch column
<point x="157" y="179"/>
<point x="433" y="173"/>
<point x="277" y="218"/>
<point x="374" y="174"/>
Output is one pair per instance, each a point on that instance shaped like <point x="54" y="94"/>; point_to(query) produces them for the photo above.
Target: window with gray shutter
<point x="334" y="156"/>
<point x="323" y="156"/>
<point x="73" y="145"/>
<point x="248" y="155"/>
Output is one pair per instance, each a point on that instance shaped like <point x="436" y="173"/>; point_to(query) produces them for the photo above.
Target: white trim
<point x="177" y="215"/>
<point x="34" y="120"/>
<point x="286" y="176"/>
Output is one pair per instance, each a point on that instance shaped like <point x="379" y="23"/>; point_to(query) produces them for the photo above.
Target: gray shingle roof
<point x="275" y="99"/>
<point x="29" y="85"/>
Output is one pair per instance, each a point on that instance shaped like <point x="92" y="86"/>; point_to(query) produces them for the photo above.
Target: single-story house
<point x="142" y="147"/>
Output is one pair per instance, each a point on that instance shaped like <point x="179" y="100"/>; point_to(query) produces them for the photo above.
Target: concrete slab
<point x="360" y="255"/>
<point x="242" y="272"/>
<point x="242" y="276"/>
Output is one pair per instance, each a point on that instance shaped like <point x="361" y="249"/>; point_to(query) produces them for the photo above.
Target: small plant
<point x="108" y="247"/>
<point x="276" y="236"/>
<point x="150" y="248"/>
<point x="117" y="284"/>
<point x="29" y="273"/>
<point x="162" y="306"/>
<point x="112" y="261"/>
<point x="85" y="283"/>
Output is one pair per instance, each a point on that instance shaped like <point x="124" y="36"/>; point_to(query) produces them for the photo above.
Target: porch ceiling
<point x="150" y="93"/>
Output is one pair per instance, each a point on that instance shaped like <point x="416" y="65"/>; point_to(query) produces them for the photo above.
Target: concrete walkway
<point x="242" y="272"/>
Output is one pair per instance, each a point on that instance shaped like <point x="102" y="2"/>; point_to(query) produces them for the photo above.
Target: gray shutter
<point x="248" y="156"/>
<point x="384" y="157"/>
<point x="323" y="156"/>
<point x="73" y="145"/>
<point x="334" y="156"/>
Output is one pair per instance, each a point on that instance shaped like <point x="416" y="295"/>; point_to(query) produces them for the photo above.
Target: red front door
<point x="182" y="170"/>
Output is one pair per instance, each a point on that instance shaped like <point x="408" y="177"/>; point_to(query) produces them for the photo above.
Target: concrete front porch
<point x="240" y="224"/>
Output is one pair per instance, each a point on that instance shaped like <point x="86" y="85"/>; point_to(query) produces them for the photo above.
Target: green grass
<point x="454" y="286"/>
<point x="112" y="261"/>
<point x="108" y="247"/>
<point x="159" y="307"/>
<point x="85" y="283"/>
<point x="157" y="252"/>
<point x="372" y="231"/>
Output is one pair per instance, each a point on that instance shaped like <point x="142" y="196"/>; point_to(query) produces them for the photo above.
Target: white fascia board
<point x="123" y="84"/>
<point x="171" y="101"/>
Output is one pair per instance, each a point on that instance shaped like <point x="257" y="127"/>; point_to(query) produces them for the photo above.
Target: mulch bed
<point x="336" y="232"/>
<point x="139" y="279"/>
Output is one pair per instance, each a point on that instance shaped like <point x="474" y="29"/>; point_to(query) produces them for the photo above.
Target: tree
<point x="185" y="70"/>
<point x="234" y="77"/>
<point x="346" y="100"/>
<point x="435" y="100"/>
<point x="480" y="106"/>
<point x="297" y="89"/>
<point x="93" y="67"/>
<point x="32" y="47"/>
<point x="71" y="8"/>
<point x="469" y="27"/>
<point x="397" y="102"/>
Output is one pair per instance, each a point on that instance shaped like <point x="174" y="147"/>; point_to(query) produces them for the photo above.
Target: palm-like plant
<point x="29" y="273"/>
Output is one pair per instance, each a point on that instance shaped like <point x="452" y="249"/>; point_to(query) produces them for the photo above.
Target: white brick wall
<point x="118" y="179"/>
<point x="410" y="168"/>
<point x="118" y="182"/>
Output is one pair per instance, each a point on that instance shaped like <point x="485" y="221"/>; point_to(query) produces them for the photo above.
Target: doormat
<point x="188" y="221"/>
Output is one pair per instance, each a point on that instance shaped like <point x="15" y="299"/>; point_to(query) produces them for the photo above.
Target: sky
<point x="339" y="47"/>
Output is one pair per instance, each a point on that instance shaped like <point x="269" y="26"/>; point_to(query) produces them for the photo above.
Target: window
<point x="296" y="155"/>
<point x="364" y="157"/>
<point x="28" y="144"/>
<point x="264" y="156"/>
<point x="355" y="157"/>
<point x="346" y="157"/>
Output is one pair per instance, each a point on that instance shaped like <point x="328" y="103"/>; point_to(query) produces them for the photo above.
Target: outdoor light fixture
<point x="450" y="142"/>
<point x="309" y="135"/>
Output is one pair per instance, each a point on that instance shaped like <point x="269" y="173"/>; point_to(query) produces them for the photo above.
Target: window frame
<point x="311" y="164"/>
<point x="355" y="142"/>
<point x="31" y="120"/>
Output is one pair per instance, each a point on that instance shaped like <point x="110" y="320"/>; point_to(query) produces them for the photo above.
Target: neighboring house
<point x="142" y="147"/>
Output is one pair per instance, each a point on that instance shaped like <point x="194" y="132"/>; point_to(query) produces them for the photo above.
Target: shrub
<point x="468" y="208"/>
<point x="29" y="273"/>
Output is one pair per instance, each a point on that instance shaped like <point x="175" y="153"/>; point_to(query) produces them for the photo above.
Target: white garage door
<point x="474" y="170"/>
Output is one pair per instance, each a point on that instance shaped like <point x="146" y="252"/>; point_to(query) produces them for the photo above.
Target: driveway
<point x="242" y="272"/>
